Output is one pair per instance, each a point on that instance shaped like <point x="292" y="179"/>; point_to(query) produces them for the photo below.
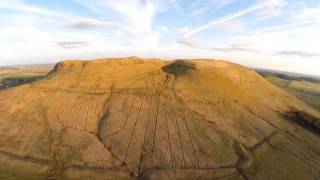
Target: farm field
<point x="15" y="75"/>
<point x="305" y="90"/>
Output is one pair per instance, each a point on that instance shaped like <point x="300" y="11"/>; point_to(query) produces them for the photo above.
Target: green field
<point x="307" y="91"/>
<point x="16" y="75"/>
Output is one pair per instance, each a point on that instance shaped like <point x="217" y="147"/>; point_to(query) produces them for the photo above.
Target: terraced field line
<point x="155" y="124"/>
<point x="124" y="102"/>
<point x="102" y="106"/>
<point x="256" y="129"/>
<point x="88" y="106"/>
<point x="180" y="142"/>
<point x="116" y="99"/>
<point x="26" y="159"/>
<point x="124" y="124"/>
<point x="106" y="101"/>
<point x="127" y="117"/>
<point x="73" y="103"/>
<point x="79" y="112"/>
<point x="107" y="104"/>
<point x="64" y="110"/>
<point x="168" y="135"/>
<point x="134" y="127"/>
<point x="145" y="134"/>
<point x="148" y="117"/>
<point x="96" y="106"/>
<point x="122" y="99"/>
<point x="191" y="139"/>
<point x="269" y="123"/>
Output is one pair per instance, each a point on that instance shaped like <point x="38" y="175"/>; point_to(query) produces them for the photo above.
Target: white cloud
<point x="223" y="20"/>
<point x="261" y="5"/>
<point x="88" y="24"/>
<point x="297" y="40"/>
<point x="139" y="14"/>
<point x="72" y="44"/>
<point x="309" y="13"/>
<point x="303" y="54"/>
<point x="203" y="6"/>
<point x="163" y="29"/>
<point x="32" y="34"/>
<point x="272" y="8"/>
<point x="199" y="11"/>
<point x="72" y="21"/>
<point x="137" y="17"/>
<point x="184" y="29"/>
<point x="22" y="6"/>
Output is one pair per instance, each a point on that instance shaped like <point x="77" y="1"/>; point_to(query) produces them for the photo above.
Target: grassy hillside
<point x="305" y="90"/>
<point x="135" y="118"/>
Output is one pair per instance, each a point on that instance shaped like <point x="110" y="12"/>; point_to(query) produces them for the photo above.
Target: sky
<point x="270" y="34"/>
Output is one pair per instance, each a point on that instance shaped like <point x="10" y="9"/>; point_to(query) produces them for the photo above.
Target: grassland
<point x="150" y="119"/>
<point x="307" y="91"/>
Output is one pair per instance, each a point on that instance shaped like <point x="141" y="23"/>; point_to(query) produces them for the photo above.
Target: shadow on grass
<point x="179" y="67"/>
<point x="15" y="81"/>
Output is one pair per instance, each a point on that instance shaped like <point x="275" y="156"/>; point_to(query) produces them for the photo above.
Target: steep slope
<point x="153" y="119"/>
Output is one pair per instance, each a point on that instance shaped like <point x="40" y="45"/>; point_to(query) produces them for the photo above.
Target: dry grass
<point x="138" y="118"/>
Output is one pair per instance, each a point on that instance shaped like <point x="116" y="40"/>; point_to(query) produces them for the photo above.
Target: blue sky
<point x="271" y="34"/>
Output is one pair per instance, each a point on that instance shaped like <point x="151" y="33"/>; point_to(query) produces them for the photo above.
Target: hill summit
<point x="131" y="118"/>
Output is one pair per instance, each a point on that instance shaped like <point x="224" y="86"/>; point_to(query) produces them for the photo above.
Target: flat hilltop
<point x="134" y="118"/>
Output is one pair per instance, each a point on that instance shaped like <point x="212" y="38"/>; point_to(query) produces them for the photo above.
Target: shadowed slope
<point x="125" y="118"/>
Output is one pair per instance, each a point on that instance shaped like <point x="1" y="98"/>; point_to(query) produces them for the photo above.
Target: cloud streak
<point x="88" y="24"/>
<point x="21" y="6"/>
<point x="72" y="21"/>
<point x="303" y="54"/>
<point x="210" y="5"/>
<point x="223" y="20"/>
<point x="230" y="48"/>
<point x="136" y="17"/>
<point x="258" y="6"/>
<point x="72" y="44"/>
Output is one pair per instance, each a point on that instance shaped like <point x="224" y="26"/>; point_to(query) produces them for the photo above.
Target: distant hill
<point x="289" y="75"/>
<point x="133" y="118"/>
<point x="27" y="66"/>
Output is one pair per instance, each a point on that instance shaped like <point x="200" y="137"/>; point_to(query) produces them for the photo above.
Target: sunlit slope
<point x="147" y="118"/>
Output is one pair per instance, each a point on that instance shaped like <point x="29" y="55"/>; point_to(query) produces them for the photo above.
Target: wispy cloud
<point x="88" y="24"/>
<point x="137" y="16"/>
<point x="273" y="8"/>
<point x="261" y="5"/>
<point x="309" y="13"/>
<point x="69" y="20"/>
<point x="203" y="6"/>
<point x="222" y="20"/>
<point x="199" y="11"/>
<point x="21" y="6"/>
<point x="239" y="47"/>
<point x="72" y="44"/>
<point x="163" y="29"/>
<point x="303" y="54"/>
